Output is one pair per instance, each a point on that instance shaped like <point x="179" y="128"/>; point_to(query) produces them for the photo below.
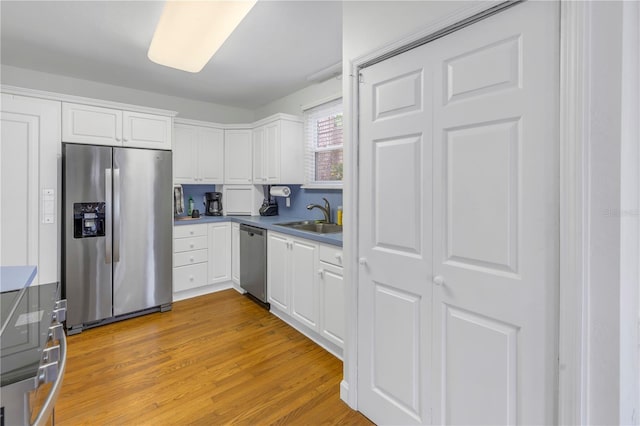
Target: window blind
<point x="324" y="143"/>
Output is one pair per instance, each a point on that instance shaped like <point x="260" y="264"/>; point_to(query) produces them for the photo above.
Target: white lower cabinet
<point x="278" y="277"/>
<point x="190" y="257"/>
<point x="331" y="288"/>
<point x="219" y="252"/>
<point x="201" y="255"/>
<point x="305" y="283"/>
<point x="235" y="253"/>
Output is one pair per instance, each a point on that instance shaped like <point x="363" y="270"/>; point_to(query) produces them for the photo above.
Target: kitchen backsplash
<point x="197" y="192"/>
<point x="300" y="198"/>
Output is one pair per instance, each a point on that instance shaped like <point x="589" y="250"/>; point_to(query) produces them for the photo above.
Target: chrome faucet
<point x="326" y="210"/>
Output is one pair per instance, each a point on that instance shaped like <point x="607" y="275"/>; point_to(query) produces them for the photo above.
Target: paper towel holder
<point x="280" y="191"/>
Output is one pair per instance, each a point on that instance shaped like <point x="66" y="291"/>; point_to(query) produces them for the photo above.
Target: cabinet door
<point x="258" y="155"/>
<point x="332" y="300"/>
<point x="150" y="131"/>
<point x="291" y="154"/>
<point x="277" y="271"/>
<point x="304" y="294"/>
<point x="184" y="154"/>
<point x="210" y="157"/>
<point x="29" y="159"/>
<point x="237" y="156"/>
<point x="271" y="153"/>
<point x="235" y="253"/>
<point x="219" y="252"/>
<point x="91" y="125"/>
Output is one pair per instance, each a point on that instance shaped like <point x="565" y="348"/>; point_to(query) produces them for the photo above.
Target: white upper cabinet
<point x="140" y="130"/>
<point x="198" y="154"/>
<point x="95" y="125"/>
<point x="237" y="156"/>
<point x="278" y="150"/>
<point x="91" y="125"/>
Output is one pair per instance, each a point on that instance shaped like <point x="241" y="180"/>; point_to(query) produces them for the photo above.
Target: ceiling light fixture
<point x="190" y="32"/>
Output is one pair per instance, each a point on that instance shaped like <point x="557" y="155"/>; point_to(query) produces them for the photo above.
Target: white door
<point x="278" y="270"/>
<point x="237" y="156"/>
<point x="210" y="155"/>
<point x="271" y="152"/>
<point x="258" y="155"/>
<point x="394" y="295"/>
<point x="219" y="252"/>
<point x="304" y="288"/>
<point x="140" y="130"/>
<point x="91" y="125"/>
<point x="29" y="170"/>
<point x="185" y="154"/>
<point x="493" y="92"/>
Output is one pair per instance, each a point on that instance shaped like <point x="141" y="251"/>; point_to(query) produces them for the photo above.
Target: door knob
<point x="362" y="261"/>
<point x="438" y="280"/>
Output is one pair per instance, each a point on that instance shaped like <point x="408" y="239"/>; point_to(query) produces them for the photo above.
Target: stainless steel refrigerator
<point x="117" y="233"/>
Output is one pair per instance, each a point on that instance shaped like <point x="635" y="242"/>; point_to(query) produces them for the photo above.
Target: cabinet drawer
<point x="331" y="254"/>
<point x="184" y="231"/>
<point x="187" y="244"/>
<point x="189" y="257"/>
<point x="188" y="277"/>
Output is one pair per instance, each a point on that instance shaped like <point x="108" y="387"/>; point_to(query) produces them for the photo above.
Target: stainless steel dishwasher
<point x="253" y="262"/>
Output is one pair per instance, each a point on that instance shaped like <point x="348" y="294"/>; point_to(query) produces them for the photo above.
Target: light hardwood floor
<point x="214" y="359"/>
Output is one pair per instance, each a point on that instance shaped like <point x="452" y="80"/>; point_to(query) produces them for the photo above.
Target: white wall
<point x="293" y="103"/>
<point x="186" y="108"/>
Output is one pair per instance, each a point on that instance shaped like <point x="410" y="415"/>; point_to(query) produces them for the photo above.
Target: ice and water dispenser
<point x="88" y="220"/>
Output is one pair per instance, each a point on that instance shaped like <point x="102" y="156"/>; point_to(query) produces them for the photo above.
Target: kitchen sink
<point x="317" y="226"/>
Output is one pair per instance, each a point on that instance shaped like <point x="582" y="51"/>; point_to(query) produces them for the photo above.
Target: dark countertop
<point x="269" y="223"/>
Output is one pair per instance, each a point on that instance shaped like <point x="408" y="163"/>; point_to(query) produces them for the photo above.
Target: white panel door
<point x="271" y="163"/>
<point x="394" y="296"/>
<point x="496" y="219"/>
<point x="185" y="154"/>
<point x="237" y="156"/>
<point x="490" y="110"/>
<point x="278" y="270"/>
<point x="140" y="130"/>
<point x="29" y="187"/>
<point x="210" y="157"/>
<point x="91" y="125"/>
<point x="235" y="253"/>
<point x="304" y="285"/>
<point x="219" y="252"/>
<point x="258" y="154"/>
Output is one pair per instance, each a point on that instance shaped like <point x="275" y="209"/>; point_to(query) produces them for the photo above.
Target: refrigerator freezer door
<point x="142" y="229"/>
<point x="87" y="257"/>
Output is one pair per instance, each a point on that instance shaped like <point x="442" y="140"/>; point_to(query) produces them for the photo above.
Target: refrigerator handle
<point x="116" y="215"/>
<point x="108" y="198"/>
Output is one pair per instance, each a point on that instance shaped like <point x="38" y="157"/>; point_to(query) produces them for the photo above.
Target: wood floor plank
<point x="212" y="360"/>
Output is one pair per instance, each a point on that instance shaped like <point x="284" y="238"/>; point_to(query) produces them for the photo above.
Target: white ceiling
<point x="270" y="55"/>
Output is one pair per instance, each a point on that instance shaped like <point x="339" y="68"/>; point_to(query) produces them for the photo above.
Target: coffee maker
<point x="213" y="203"/>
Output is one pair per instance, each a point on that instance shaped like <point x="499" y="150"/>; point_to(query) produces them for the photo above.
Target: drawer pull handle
<point x="339" y="257"/>
<point x="191" y="259"/>
<point x="190" y="277"/>
<point x="191" y="245"/>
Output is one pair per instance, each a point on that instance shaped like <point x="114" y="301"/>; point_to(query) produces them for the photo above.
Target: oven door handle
<point x="49" y="404"/>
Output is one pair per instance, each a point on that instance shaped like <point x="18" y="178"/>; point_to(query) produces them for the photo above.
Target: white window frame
<point x="310" y="149"/>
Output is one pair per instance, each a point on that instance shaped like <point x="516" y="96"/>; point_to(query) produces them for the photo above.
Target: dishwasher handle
<point x="252" y="230"/>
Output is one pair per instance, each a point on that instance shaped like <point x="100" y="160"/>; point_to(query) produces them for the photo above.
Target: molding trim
<point x="201" y="291"/>
<point x="574" y="220"/>
<point x="318" y="102"/>
<point x="33" y="93"/>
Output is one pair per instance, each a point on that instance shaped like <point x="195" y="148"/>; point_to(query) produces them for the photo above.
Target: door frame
<point x="575" y="45"/>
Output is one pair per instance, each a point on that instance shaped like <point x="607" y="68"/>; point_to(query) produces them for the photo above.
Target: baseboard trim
<point x="201" y="291"/>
